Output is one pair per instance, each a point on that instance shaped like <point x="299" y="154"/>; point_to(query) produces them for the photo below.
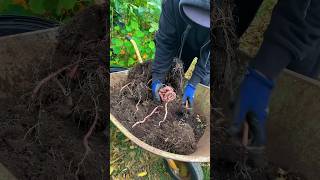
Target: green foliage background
<point x="138" y="19"/>
<point x="58" y="10"/>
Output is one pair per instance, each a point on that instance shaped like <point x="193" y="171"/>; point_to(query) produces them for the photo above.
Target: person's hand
<point x="188" y="95"/>
<point x="252" y="106"/>
<point x="156" y="86"/>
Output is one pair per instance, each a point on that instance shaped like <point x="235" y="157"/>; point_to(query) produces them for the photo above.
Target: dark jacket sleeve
<point x="201" y="73"/>
<point x="166" y="40"/>
<point x="294" y="30"/>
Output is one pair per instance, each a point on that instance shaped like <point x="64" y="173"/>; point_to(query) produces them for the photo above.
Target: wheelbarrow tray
<point x="202" y="107"/>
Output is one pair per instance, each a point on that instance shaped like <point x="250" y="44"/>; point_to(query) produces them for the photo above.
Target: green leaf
<point x="131" y="61"/>
<point x="64" y="4"/>
<point x="128" y="45"/>
<point x="123" y="31"/>
<point x="138" y="41"/>
<point x="51" y="6"/>
<point x="155" y="25"/>
<point x="117" y="42"/>
<point x="67" y="4"/>
<point x="17" y="10"/>
<point x="116" y="49"/>
<point x="128" y="28"/>
<point x="37" y="6"/>
<point x="139" y="34"/>
<point x="134" y="25"/>
<point x="122" y="63"/>
<point x="4" y="4"/>
<point x="151" y="45"/>
<point x="116" y="28"/>
<point x="152" y="29"/>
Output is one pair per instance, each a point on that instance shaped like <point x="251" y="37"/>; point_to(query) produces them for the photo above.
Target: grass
<point x="127" y="160"/>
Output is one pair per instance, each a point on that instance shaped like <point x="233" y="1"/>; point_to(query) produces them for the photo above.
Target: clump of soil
<point x="132" y="102"/>
<point x="56" y="131"/>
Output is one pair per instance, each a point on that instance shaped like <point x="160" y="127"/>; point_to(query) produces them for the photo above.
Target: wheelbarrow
<point x="178" y="166"/>
<point x="175" y="162"/>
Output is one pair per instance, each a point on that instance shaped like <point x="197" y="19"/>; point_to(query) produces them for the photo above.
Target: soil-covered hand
<point x="156" y="86"/>
<point x="188" y="95"/>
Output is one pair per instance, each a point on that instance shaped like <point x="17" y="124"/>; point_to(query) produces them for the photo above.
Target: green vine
<point x="58" y="10"/>
<point x="138" y="19"/>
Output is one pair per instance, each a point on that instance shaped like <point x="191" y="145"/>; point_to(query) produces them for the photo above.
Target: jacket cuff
<point x="194" y="80"/>
<point x="271" y="59"/>
<point x="261" y="78"/>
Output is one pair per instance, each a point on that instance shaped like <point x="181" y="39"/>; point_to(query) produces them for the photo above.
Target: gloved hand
<point x="156" y="86"/>
<point x="188" y="95"/>
<point x="252" y="106"/>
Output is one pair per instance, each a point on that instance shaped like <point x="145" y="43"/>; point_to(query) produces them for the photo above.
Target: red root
<point x="140" y="122"/>
<point x="87" y="135"/>
<point x="167" y="94"/>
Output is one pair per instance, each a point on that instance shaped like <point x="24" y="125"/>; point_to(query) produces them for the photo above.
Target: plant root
<point x="165" y="115"/>
<point x="137" y="106"/>
<point x="48" y="78"/>
<point x="144" y="119"/>
<point x="125" y="87"/>
<point x="86" y="137"/>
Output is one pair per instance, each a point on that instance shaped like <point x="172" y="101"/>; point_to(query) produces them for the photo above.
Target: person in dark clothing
<point x="184" y="32"/>
<point x="292" y="40"/>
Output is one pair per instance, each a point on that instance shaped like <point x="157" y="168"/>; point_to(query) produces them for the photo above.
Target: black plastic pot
<point x="13" y="24"/>
<point x="117" y="69"/>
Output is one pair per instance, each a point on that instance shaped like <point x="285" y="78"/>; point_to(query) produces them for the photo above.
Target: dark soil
<point x="41" y="137"/>
<point x="231" y="160"/>
<point x="181" y="130"/>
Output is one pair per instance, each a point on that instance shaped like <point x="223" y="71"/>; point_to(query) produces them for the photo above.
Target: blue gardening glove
<point x="156" y="86"/>
<point x="188" y="95"/>
<point x="252" y="105"/>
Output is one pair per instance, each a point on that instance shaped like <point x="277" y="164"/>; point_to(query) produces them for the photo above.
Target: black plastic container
<point x="13" y="24"/>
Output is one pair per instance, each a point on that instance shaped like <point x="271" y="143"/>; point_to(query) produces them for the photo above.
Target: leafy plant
<point x="59" y="10"/>
<point x="138" y="19"/>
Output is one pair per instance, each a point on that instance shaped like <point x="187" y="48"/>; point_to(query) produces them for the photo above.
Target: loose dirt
<point x="132" y="102"/>
<point x="56" y="131"/>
